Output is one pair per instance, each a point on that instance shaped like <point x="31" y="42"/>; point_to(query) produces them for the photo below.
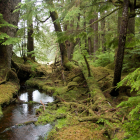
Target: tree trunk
<point x="30" y="45"/>
<point x="90" y="41"/>
<point x="96" y="34"/>
<point x="71" y="45"/>
<point x="121" y="45"/>
<point x="89" y="46"/>
<point x="58" y="30"/>
<point x="131" y="27"/>
<point x="6" y="8"/>
<point x="86" y="42"/>
<point x="103" y="34"/>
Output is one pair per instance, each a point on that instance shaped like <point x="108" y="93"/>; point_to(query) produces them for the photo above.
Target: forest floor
<point x="83" y="108"/>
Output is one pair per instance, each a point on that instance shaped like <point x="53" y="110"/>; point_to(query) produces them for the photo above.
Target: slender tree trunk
<point x="96" y="34"/>
<point x="62" y="46"/>
<point x="103" y="34"/>
<point x="89" y="46"/>
<point x="6" y="8"/>
<point x="131" y="28"/>
<point x="121" y="45"/>
<point x="86" y="42"/>
<point x="90" y="41"/>
<point x="30" y="45"/>
<point x="70" y="48"/>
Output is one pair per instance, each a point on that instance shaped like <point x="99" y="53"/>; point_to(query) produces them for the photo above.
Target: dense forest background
<point x="99" y="33"/>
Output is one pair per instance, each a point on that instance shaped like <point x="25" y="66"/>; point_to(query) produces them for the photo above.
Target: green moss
<point x="110" y="66"/>
<point x="60" y="90"/>
<point x="77" y="79"/>
<point x="32" y="102"/>
<point x="61" y="123"/>
<point x="49" y="115"/>
<point x="72" y="84"/>
<point x="17" y="59"/>
<point x="7" y="91"/>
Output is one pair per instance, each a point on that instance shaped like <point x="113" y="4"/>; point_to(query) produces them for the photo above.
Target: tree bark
<point x="96" y="34"/>
<point x="90" y="41"/>
<point x="131" y="26"/>
<point x="6" y="8"/>
<point x="30" y="45"/>
<point x="103" y="34"/>
<point x="58" y="30"/>
<point x="121" y="45"/>
<point x="71" y="46"/>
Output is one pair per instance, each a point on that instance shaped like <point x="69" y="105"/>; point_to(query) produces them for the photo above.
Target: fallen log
<point x="101" y="107"/>
<point x="99" y="99"/>
<point x="96" y="118"/>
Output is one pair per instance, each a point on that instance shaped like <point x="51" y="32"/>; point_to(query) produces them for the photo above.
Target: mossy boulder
<point x="7" y="91"/>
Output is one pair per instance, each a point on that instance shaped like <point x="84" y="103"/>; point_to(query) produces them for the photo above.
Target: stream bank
<point x="18" y="119"/>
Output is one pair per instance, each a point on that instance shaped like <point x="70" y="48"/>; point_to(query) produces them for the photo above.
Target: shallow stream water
<point x="20" y="113"/>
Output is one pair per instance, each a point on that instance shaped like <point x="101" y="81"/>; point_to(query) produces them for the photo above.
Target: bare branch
<point x="44" y="20"/>
<point x="101" y="18"/>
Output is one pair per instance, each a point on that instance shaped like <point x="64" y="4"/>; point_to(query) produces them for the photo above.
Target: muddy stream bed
<point x="20" y="113"/>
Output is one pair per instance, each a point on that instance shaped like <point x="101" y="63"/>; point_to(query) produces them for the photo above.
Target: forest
<point x="85" y="54"/>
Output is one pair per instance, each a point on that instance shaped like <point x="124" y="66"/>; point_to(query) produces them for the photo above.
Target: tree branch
<point x="44" y="20"/>
<point x="101" y="18"/>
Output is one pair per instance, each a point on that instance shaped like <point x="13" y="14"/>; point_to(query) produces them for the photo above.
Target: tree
<point x="6" y="8"/>
<point x="103" y="33"/>
<point x="96" y="33"/>
<point x="30" y="45"/>
<point x="62" y="46"/>
<point x="121" y="45"/>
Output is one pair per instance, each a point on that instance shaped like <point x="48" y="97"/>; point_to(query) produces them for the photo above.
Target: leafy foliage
<point x="4" y="38"/>
<point x="104" y="59"/>
<point x="132" y="126"/>
<point x="131" y="59"/>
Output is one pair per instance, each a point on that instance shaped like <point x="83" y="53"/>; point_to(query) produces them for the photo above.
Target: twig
<point x="102" y="78"/>
<point x="42" y="104"/>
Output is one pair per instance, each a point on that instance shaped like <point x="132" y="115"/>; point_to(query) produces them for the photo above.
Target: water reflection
<point x="24" y="97"/>
<point x="36" y="96"/>
<point x="20" y="113"/>
<point x="43" y="97"/>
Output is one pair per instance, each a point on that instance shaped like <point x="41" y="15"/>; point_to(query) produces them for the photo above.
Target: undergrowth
<point x="131" y="60"/>
<point x="104" y="58"/>
<point x="132" y="126"/>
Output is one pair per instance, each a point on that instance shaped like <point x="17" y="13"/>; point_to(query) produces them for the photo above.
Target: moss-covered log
<point x="102" y="109"/>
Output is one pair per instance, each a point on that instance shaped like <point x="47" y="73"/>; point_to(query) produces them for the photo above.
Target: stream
<point x="20" y="113"/>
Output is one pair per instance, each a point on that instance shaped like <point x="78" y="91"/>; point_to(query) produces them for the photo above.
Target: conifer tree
<point x="30" y="44"/>
<point x="121" y="45"/>
<point x="6" y="9"/>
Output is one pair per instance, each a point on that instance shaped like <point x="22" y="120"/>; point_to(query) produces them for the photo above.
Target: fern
<point x="4" y="38"/>
<point x="104" y="59"/>
<point x="133" y="103"/>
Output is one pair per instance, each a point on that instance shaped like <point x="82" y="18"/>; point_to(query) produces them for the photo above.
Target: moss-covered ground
<point x="75" y="113"/>
<point x="83" y="107"/>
